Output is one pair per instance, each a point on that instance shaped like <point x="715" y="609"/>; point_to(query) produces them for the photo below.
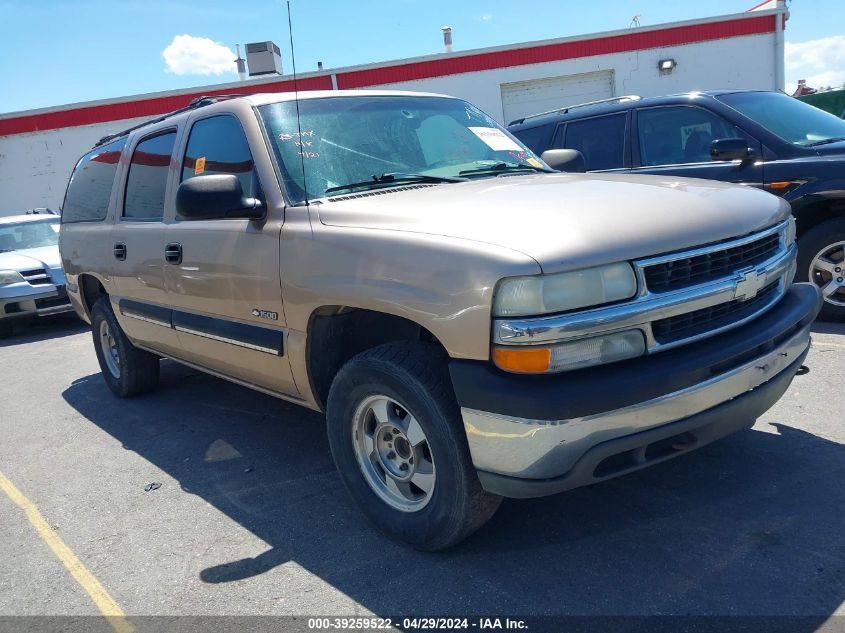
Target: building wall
<point x="739" y="62"/>
<point x="35" y="165"/>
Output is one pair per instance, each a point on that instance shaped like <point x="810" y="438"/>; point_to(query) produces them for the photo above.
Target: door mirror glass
<point x="215" y="197"/>
<point x="730" y="149"/>
<point x="569" y="160"/>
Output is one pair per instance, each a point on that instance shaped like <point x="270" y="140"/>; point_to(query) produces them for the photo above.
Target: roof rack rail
<point x="195" y="103"/>
<point x="577" y="105"/>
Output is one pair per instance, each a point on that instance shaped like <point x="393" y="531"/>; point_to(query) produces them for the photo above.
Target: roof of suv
<point x="615" y="104"/>
<point x="29" y="217"/>
<point x="260" y="99"/>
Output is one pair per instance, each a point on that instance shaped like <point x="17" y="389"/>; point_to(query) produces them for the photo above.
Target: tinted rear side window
<point x="600" y="139"/>
<point x="147" y="179"/>
<point x="217" y="145"/>
<point x="89" y="189"/>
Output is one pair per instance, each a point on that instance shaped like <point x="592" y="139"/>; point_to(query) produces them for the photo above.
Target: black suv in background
<point x="763" y="139"/>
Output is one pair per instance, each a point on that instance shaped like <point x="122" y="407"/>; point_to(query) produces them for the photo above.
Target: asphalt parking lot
<point x="250" y="517"/>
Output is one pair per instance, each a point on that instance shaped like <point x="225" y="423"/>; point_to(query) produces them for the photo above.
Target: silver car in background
<point x="32" y="282"/>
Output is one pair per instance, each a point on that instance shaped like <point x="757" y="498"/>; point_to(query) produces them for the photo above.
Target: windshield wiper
<point x="393" y="178"/>
<point x="826" y="141"/>
<point x="504" y="167"/>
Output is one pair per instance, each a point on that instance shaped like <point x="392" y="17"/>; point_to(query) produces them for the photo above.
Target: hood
<point x="47" y="256"/>
<point x="32" y="258"/>
<point x="567" y="221"/>
<point x="831" y="149"/>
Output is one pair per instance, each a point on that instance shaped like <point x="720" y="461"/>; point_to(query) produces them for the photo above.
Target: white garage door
<point x="523" y="98"/>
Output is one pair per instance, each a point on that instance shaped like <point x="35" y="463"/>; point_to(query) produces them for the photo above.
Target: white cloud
<point x="821" y="62"/>
<point x="189" y="55"/>
<point x="487" y="17"/>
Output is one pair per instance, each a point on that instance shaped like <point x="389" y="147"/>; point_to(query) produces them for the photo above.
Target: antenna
<point x="296" y="100"/>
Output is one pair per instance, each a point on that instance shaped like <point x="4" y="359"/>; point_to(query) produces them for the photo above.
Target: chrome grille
<point x="690" y="271"/>
<point x="36" y="277"/>
<point x="725" y="284"/>
<point x="701" y="321"/>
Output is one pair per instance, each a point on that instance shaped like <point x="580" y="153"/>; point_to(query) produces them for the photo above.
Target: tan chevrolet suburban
<point x="474" y="324"/>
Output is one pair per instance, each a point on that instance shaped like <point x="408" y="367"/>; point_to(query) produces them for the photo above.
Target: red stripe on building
<point x="110" y="158"/>
<point x="557" y="52"/>
<point x="148" y="159"/>
<point x="89" y="115"/>
<point x="675" y="36"/>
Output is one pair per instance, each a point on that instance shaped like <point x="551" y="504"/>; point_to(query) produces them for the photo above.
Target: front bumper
<point x="537" y="435"/>
<point x="35" y="302"/>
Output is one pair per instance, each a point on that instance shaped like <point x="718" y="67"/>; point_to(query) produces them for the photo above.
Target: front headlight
<point x="10" y="277"/>
<point x="543" y="294"/>
<point x="789" y="232"/>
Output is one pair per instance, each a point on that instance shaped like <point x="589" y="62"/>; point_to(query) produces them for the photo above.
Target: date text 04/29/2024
<point x="417" y="623"/>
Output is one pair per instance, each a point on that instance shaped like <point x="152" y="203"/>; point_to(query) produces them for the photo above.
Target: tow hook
<point x="802" y="370"/>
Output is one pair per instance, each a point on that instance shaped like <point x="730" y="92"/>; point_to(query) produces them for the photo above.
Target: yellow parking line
<point x="105" y="603"/>
<point x="826" y="344"/>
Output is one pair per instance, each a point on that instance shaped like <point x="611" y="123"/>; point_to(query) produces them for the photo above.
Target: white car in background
<point x="32" y="282"/>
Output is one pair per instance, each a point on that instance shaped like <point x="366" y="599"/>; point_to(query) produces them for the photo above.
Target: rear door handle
<point x="120" y="251"/>
<point x="173" y="253"/>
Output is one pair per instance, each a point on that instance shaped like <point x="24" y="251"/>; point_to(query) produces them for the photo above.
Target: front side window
<point x="89" y="189"/>
<point x="600" y="139"/>
<point x="217" y="145"/>
<point x="22" y="236"/>
<point x="677" y="135"/>
<point x="385" y="140"/>
<point x="147" y="179"/>
<point x="792" y="120"/>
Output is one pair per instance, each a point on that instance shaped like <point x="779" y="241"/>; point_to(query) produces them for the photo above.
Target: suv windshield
<point x="792" y="120"/>
<point x="346" y="144"/>
<point x="23" y="235"/>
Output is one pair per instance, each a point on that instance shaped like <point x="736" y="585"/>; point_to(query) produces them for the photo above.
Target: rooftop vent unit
<point x="263" y="58"/>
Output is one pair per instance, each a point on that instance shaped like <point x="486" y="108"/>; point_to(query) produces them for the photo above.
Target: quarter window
<point x="217" y="145"/>
<point x="89" y="189"/>
<point x="600" y="139"/>
<point x="147" y="179"/>
<point x="677" y="135"/>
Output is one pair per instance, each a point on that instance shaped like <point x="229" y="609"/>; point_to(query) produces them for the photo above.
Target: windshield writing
<point x="352" y="141"/>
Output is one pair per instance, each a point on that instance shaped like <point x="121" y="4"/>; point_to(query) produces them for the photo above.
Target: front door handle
<point x="119" y="251"/>
<point x="173" y="253"/>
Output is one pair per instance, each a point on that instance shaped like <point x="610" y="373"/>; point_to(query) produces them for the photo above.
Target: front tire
<point x="397" y="439"/>
<point x="127" y="370"/>
<point x="821" y="260"/>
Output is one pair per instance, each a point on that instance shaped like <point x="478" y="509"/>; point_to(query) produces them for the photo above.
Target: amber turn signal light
<point x="531" y="360"/>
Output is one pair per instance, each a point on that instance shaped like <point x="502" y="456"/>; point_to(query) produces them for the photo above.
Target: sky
<point x="59" y="51"/>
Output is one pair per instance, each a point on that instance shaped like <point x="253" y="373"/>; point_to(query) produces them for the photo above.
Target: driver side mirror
<point x="730" y="149"/>
<point x="216" y="197"/>
<point x="568" y="160"/>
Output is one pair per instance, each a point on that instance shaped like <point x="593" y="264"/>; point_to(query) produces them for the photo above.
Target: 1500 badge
<point x="265" y="314"/>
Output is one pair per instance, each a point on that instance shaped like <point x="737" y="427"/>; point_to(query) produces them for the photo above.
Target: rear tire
<point x="127" y="370"/>
<point x="399" y="444"/>
<point x="821" y="260"/>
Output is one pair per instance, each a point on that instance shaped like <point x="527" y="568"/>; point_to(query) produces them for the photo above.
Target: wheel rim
<point x="109" y="348"/>
<point x="393" y="453"/>
<point x="827" y="271"/>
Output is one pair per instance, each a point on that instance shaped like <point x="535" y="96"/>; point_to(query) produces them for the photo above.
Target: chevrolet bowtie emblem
<point x="748" y="285"/>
